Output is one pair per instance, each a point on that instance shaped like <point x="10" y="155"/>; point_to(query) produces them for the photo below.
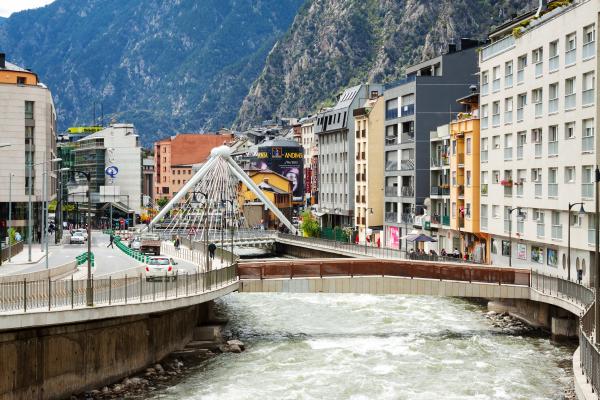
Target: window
<point x="570" y="130"/>
<point x="468" y="179"/>
<point x="21" y="80"/>
<point x="468" y="210"/>
<point x="29" y="110"/>
<point x="484" y="183"/>
<point x="556" y="226"/>
<point x="508" y="151"/>
<point x="484" y="150"/>
<point x="496" y="176"/>
<point x="495" y="211"/>
<point x="454" y="182"/>
<point x="536" y="138"/>
<point x="553" y="182"/>
<point x="552" y="140"/>
<point x="570" y="101"/>
<point x="587" y="140"/>
<point x="536" y="95"/>
<point x="484" y="217"/>
<point x="496" y="113"/>
<point x="496" y="142"/>
<point x="521" y="176"/>
<point x="453" y="214"/>
<point x="391" y="109"/>
<point x="484" y="116"/>
<point x="569" y="174"/>
<point x="589" y="38"/>
<point x="538" y="217"/>
<point x="587" y="182"/>
<point x="485" y="80"/>
<point x="468" y="145"/>
<point x="553" y="98"/>
<point x="506" y="220"/>
<point x="521" y="103"/>
<point x="589" y="84"/>
<point x="536" y="178"/>
<point x="508" y="74"/>
<point x="508" y="110"/>
<point x="496" y="77"/>
<point x="570" y="49"/>
<point x="521" y="141"/>
<point x="537" y="59"/>
<point x="521" y="65"/>
<point x="591" y="229"/>
<point x="553" y="60"/>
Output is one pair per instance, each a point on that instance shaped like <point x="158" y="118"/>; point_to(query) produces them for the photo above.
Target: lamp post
<point x="30" y="166"/>
<point x="89" y="289"/>
<point x="581" y="212"/>
<point x="46" y="215"/>
<point x="510" y="211"/>
<point x="231" y="227"/>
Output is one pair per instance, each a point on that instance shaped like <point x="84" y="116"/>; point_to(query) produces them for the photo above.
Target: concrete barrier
<point x="54" y="273"/>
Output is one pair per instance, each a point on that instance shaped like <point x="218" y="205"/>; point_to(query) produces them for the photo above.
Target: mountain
<point x="336" y="43"/>
<point x="166" y="65"/>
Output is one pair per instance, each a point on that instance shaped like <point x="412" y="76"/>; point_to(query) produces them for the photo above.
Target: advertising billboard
<point x="286" y="158"/>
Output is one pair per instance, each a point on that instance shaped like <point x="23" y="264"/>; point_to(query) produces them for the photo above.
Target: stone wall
<point x="54" y="362"/>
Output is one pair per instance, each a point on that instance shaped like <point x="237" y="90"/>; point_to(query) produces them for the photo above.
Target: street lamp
<point x="30" y="166"/>
<point x="581" y="212"/>
<point x="519" y="213"/>
<point x="232" y="228"/>
<point x="89" y="290"/>
<point x="45" y="224"/>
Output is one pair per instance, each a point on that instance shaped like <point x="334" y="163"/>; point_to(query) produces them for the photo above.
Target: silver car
<point x="77" y="238"/>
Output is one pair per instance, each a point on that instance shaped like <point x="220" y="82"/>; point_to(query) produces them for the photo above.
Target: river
<point x="374" y="347"/>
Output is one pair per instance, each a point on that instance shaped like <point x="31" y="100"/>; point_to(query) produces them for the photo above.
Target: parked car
<point x="83" y="232"/>
<point x="77" y="238"/>
<point x="135" y="243"/>
<point x="160" y="267"/>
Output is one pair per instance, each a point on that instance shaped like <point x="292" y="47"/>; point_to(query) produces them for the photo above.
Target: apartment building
<point x="368" y="133"/>
<point x="538" y="143"/>
<point x="28" y="125"/>
<point x="310" y="144"/>
<point x="175" y="157"/>
<point x="414" y="107"/>
<point x="439" y="178"/>
<point x="335" y="128"/>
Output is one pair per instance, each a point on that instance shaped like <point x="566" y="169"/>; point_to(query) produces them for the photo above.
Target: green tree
<point x="310" y="226"/>
<point x="162" y="202"/>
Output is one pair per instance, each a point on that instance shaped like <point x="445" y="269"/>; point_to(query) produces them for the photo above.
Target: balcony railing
<point x="485" y="89"/>
<point x="552" y="148"/>
<point x="496" y="85"/>
<point x="553" y="106"/>
<point x="553" y="64"/>
<point x="496" y="120"/>
<point x="391" y="140"/>
<point x="589" y="50"/>
<point x="538" y="190"/>
<point x="508" y="117"/>
<point x="540" y="230"/>
<point x="587" y="97"/>
<point x="439" y="162"/>
<point x="587" y="143"/>
<point x="391" y="113"/>
<point x="407" y="191"/>
<point x="520" y="190"/>
<point x="520" y="76"/>
<point x="446" y="220"/>
<point x="483" y="157"/>
<point x="538" y="109"/>
<point x="440" y="191"/>
<point x="520" y="113"/>
<point x="391" y="165"/>
<point x="407" y="165"/>
<point x="391" y="191"/>
<point x="460" y="158"/>
<point x="408" y="218"/>
<point x="587" y="190"/>
<point x="391" y="217"/>
<point x="407" y="110"/>
<point x="557" y="232"/>
<point x="484" y="122"/>
<point x="539" y="69"/>
<point x="408" y="137"/>
<point x="497" y="47"/>
<point x="570" y="102"/>
<point x="508" y="81"/>
<point x="508" y="153"/>
<point x="553" y="190"/>
<point x="508" y="191"/>
<point x="461" y="191"/>
<point x="570" y="57"/>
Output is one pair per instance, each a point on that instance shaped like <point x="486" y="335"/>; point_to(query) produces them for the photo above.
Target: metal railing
<point x="562" y="288"/>
<point x="57" y="295"/>
<point x="14" y="248"/>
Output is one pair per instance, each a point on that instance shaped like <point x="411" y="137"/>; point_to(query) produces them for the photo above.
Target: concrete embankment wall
<point x="55" y="362"/>
<point x="307" y="252"/>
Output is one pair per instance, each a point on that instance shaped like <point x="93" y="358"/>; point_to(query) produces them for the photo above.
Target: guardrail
<point x="47" y="295"/>
<point x="136" y="255"/>
<point x="54" y="272"/>
<point x="14" y="248"/>
<point x="377" y="267"/>
<point x="82" y="259"/>
<point x="589" y="354"/>
<point x="562" y="288"/>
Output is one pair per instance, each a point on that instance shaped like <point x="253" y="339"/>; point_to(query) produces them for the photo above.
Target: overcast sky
<point x="8" y="7"/>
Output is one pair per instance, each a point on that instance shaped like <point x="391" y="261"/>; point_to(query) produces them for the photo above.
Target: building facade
<point x="148" y="181"/>
<point x="310" y="144"/>
<point x="28" y="122"/>
<point x="368" y="133"/>
<point x="335" y="128"/>
<point x="439" y="215"/>
<point x="414" y="107"/>
<point x="538" y="143"/>
<point x="174" y="159"/>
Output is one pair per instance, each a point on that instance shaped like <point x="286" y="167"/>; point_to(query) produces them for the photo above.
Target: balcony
<point x="460" y="157"/>
<point x="391" y="140"/>
<point x="497" y="47"/>
<point x="408" y="218"/>
<point x="391" y="217"/>
<point x="587" y="97"/>
<point x="508" y="191"/>
<point x="439" y="162"/>
<point x="484" y="189"/>
<point x="391" y="165"/>
<point x="407" y="191"/>
<point x="391" y="191"/>
<point x="589" y="50"/>
<point x="407" y="110"/>
<point x="461" y="191"/>
<point x="399" y="82"/>
<point x="440" y="191"/>
<point x="408" y="137"/>
<point x="407" y="165"/>
<point x="446" y="220"/>
<point x="391" y="113"/>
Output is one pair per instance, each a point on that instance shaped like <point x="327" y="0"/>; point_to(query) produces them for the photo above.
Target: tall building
<point x="148" y="180"/>
<point x="28" y="126"/>
<point x="414" y="107"/>
<point x="369" y="132"/>
<point x="310" y="144"/>
<point x="335" y="128"/>
<point x="439" y="215"/>
<point x="175" y="157"/>
<point x="538" y="142"/>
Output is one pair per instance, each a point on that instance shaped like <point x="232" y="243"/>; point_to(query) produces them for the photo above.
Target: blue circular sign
<point x="111" y="171"/>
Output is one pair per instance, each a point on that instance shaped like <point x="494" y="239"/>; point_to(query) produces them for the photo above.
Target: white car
<point x="135" y="244"/>
<point x="159" y="267"/>
<point x="83" y="232"/>
<point x="77" y="238"/>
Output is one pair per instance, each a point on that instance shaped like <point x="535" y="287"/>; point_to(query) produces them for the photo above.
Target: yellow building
<point x="465" y="188"/>
<point x="278" y="190"/>
<point x="369" y="134"/>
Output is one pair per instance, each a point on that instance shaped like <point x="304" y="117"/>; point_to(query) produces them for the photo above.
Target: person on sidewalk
<point x="177" y="243"/>
<point x="211" y="250"/>
<point x="111" y="240"/>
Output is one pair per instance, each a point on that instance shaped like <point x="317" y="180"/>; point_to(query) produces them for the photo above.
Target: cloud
<point x="10" y="6"/>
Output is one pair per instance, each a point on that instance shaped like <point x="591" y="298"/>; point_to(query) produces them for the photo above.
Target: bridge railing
<point x="588" y="350"/>
<point x="378" y="267"/>
<point x="562" y="288"/>
<point x="50" y="295"/>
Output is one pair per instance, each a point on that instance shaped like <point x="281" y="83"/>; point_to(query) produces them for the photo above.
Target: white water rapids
<point x="374" y="347"/>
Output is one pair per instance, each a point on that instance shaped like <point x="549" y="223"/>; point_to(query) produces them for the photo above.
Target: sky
<point x="8" y="7"/>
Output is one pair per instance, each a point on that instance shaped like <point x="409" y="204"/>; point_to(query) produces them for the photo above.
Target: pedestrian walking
<point x="177" y="243"/>
<point x="211" y="250"/>
<point x="111" y="240"/>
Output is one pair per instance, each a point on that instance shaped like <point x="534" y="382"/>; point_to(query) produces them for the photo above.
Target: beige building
<point x="369" y="136"/>
<point x="538" y="143"/>
<point x="310" y="144"/>
<point x="28" y="126"/>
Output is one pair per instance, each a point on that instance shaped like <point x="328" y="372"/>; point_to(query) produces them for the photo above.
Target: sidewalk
<point x="22" y="258"/>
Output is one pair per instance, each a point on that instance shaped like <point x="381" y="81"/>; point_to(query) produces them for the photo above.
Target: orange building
<point x="175" y="157"/>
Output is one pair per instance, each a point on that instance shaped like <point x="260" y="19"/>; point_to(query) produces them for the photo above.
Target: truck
<point x="150" y="244"/>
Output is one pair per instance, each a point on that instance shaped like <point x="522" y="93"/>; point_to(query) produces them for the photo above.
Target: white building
<point x="28" y="136"/>
<point x="538" y="142"/>
<point x="311" y="150"/>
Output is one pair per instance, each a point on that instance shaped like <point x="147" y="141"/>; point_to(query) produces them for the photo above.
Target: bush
<point x="310" y="226"/>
